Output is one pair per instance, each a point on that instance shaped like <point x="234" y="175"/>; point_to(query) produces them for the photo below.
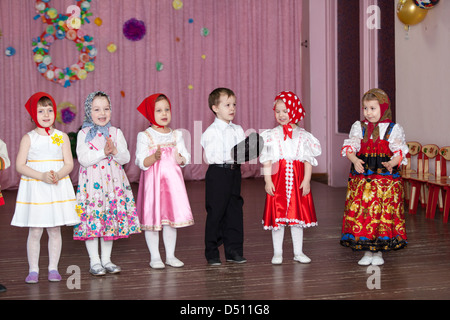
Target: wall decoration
<point x="67" y="112"/>
<point x="159" y="66"/>
<point x="59" y="27"/>
<point x="111" y="47"/>
<point x="426" y="4"/>
<point x="10" y="51"/>
<point x="134" y="29"/>
<point x="177" y="4"/>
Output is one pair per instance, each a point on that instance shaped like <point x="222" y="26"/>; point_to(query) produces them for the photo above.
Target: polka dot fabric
<point x="295" y="109"/>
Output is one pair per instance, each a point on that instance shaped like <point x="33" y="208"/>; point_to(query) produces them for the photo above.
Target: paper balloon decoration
<point x="426" y="4"/>
<point x="409" y="13"/>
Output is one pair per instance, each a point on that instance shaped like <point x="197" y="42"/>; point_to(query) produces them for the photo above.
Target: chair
<point x="439" y="188"/>
<point x="414" y="155"/>
<point x="419" y="179"/>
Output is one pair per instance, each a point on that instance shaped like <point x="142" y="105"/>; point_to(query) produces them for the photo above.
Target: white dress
<point x="40" y="204"/>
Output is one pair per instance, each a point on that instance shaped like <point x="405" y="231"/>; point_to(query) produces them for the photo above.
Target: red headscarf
<point x="385" y="113"/>
<point x="147" y="108"/>
<point x="295" y="110"/>
<point x="32" y="105"/>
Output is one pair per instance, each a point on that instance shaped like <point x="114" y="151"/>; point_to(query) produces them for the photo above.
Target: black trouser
<point x="224" y="221"/>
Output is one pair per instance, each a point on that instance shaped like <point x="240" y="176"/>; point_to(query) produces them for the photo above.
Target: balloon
<point x="409" y="13"/>
<point x="426" y="4"/>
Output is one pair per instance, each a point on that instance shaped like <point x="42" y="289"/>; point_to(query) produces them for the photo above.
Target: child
<point x="4" y="164"/>
<point x="105" y="200"/>
<point x="45" y="198"/>
<point x="374" y="217"/>
<point x="163" y="203"/>
<point x="288" y="156"/>
<point x="224" y="220"/>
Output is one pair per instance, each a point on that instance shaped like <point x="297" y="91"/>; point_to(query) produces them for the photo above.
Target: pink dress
<point x="162" y="198"/>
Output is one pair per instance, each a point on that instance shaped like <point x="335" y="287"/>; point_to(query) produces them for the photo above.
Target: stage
<point x="421" y="271"/>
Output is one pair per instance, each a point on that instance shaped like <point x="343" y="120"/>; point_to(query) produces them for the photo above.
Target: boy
<point x="224" y="221"/>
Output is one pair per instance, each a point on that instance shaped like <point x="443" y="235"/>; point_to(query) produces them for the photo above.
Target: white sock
<point x="92" y="249"/>
<point x="152" y="239"/>
<point x="106" y="248"/>
<point x="170" y="240"/>
<point x="54" y="247"/>
<point x="297" y="240"/>
<point x="277" y="239"/>
<point x="34" y="248"/>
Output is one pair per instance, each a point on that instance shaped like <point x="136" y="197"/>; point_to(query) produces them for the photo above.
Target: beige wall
<point x="423" y="77"/>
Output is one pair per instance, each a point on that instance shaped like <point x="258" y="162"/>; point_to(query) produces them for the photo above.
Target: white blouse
<point x="397" y="140"/>
<point x="88" y="156"/>
<point x="218" y="140"/>
<point x="145" y="148"/>
<point x="303" y="146"/>
<point x="4" y="154"/>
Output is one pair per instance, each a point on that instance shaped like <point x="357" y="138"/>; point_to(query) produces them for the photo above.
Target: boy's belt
<point x="231" y="166"/>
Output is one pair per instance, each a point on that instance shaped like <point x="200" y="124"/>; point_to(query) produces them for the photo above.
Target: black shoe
<point x="214" y="262"/>
<point x="237" y="259"/>
<point x="2" y="288"/>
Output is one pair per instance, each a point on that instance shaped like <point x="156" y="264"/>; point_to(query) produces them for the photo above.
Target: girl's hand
<point x="157" y="154"/>
<point x="55" y="177"/>
<point x="179" y="158"/>
<point x="47" y="177"/>
<point x="306" y="187"/>
<point x="359" y="165"/>
<point x="108" y="148"/>
<point x="388" y="165"/>
<point x="111" y="147"/>
<point x="270" y="188"/>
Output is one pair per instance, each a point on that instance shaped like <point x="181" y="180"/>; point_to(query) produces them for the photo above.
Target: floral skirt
<point x="105" y="203"/>
<point x="374" y="214"/>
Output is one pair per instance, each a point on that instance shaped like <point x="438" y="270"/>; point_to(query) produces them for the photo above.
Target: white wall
<point x="423" y="77"/>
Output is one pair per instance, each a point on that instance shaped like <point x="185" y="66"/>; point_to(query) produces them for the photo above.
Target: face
<point x="45" y="116"/>
<point x="226" y="108"/>
<point x="163" y="115"/>
<point x="100" y="111"/>
<point x="281" y="113"/>
<point x="372" y="110"/>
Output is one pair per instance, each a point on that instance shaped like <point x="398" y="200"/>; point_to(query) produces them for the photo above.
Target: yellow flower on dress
<point x="57" y="139"/>
<point x="78" y="210"/>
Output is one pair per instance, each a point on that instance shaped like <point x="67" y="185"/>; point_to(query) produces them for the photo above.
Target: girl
<point x="373" y="218"/>
<point x="162" y="199"/>
<point x="104" y="195"/>
<point x="46" y="198"/>
<point x="288" y="156"/>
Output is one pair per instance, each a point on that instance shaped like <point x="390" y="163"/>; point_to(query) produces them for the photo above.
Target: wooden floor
<point x="421" y="271"/>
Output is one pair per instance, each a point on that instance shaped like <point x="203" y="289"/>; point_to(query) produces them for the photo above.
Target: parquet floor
<point x="419" y="272"/>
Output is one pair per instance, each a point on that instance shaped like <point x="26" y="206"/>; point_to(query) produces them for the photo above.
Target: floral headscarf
<point x="32" y="105"/>
<point x="386" y="114"/>
<point x="295" y="110"/>
<point x="147" y="108"/>
<point x="104" y="130"/>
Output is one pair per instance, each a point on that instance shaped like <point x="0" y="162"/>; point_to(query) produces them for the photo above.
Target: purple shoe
<point x="54" y="276"/>
<point x="32" y="277"/>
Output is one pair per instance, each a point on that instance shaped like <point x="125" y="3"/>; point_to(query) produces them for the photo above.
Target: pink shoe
<point x="32" y="277"/>
<point x="54" y="276"/>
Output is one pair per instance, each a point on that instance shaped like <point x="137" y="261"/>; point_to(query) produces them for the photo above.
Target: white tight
<point x="34" y="247"/>
<point x="169" y="238"/>
<point x="92" y="248"/>
<point x="297" y="240"/>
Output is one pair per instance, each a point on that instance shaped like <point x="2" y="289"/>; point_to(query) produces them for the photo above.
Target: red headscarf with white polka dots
<point x="295" y="110"/>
